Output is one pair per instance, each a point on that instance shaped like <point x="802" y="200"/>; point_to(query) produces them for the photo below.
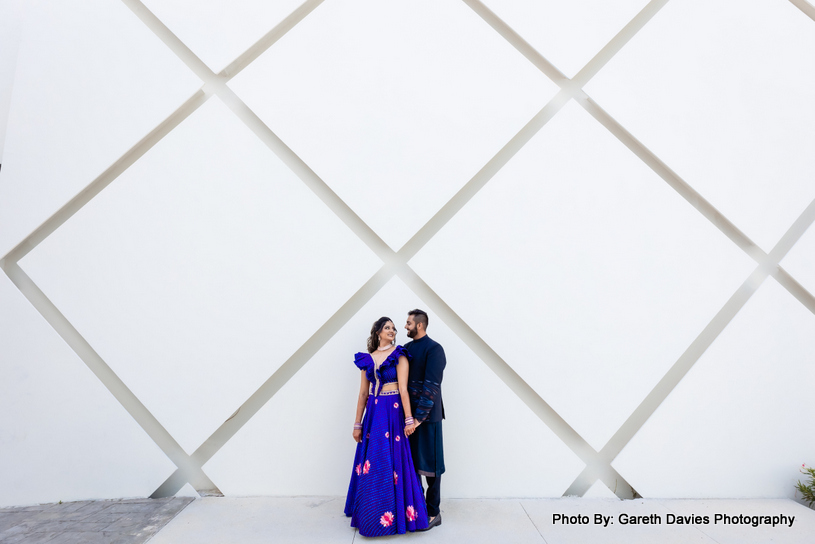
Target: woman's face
<point x="388" y="333"/>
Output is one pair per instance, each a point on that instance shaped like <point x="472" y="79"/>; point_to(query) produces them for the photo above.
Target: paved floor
<point x="472" y="521"/>
<point x="320" y="520"/>
<point x="89" y="522"/>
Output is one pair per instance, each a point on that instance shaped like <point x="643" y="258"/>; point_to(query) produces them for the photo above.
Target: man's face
<point x="410" y="327"/>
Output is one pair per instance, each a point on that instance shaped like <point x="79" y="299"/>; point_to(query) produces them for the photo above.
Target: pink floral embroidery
<point x="367" y="467"/>
<point x="376" y="401"/>
<point x="397" y="438"/>
<point x="386" y="520"/>
<point x="359" y="468"/>
<point x="395" y="478"/>
<point x="396" y="405"/>
<point x="387" y="435"/>
<point x="411" y="513"/>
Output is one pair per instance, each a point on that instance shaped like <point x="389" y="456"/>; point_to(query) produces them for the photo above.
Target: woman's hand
<point x="409" y="429"/>
<point x="357" y="435"/>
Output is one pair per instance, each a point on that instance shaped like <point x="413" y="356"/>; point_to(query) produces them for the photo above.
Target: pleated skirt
<point x="384" y="496"/>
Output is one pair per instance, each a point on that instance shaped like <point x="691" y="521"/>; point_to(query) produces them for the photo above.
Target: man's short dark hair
<point x="419" y="316"/>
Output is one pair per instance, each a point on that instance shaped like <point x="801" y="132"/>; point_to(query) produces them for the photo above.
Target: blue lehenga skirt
<point x="384" y="496"/>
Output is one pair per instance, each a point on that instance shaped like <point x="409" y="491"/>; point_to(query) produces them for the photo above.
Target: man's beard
<point x="411" y="333"/>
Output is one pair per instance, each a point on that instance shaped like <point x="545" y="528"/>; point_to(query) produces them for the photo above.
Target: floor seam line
<point x="532" y="521"/>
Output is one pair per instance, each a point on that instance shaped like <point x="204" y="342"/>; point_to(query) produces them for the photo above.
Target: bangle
<point x="357" y="426"/>
<point x="408" y="421"/>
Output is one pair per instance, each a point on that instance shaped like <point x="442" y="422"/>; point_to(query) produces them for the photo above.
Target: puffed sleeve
<point x="436" y="361"/>
<point x="361" y="360"/>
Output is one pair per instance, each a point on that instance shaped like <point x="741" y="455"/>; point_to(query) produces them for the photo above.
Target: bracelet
<point x="357" y="426"/>
<point x="408" y="421"/>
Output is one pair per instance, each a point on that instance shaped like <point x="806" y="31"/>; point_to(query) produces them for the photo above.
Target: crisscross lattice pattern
<point x="341" y="201"/>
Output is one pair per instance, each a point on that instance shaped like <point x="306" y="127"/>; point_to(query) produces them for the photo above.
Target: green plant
<point x="807" y="490"/>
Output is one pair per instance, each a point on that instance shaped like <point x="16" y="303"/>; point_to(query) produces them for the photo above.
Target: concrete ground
<point x="506" y="521"/>
<point x="472" y="521"/>
<point x="89" y="522"/>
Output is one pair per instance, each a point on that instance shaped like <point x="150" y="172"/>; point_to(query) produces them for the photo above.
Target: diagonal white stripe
<point x="112" y="382"/>
<point x="806" y="7"/>
<point x="672" y="378"/>
<point x="598" y="463"/>
<point x="433" y="226"/>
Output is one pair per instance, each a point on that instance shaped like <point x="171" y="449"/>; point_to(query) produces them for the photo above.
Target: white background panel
<point x="63" y="436"/>
<point x="567" y="32"/>
<point x="739" y="423"/>
<point x="599" y="491"/>
<point x="800" y="261"/>
<point x="395" y="103"/>
<point x="199" y="271"/>
<point x="300" y="442"/>
<point x="592" y="275"/>
<point x="207" y="263"/>
<point x="12" y="13"/>
<point x="91" y="81"/>
<point x="220" y="30"/>
<point x="491" y="432"/>
<point x="722" y="92"/>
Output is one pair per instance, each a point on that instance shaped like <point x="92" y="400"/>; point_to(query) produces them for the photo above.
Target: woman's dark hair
<point x="373" y="340"/>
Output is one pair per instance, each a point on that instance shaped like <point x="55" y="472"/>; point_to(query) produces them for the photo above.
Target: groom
<point x="427" y="364"/>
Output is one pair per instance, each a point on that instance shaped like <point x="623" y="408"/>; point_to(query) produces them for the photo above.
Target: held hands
<point x="410" y="428"/>
<point x="410" y="425"/>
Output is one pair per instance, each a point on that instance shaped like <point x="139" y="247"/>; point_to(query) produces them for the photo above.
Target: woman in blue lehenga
<point x="384" y="496"/>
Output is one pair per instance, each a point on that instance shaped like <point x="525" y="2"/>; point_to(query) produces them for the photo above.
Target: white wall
<point x="204" y="205"/>
<point x="12" y="14"/>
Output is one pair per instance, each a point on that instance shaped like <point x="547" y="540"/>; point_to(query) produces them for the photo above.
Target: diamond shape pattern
<point x="598" y="322"/>
<point x="144" y="292"/>
<point x="249" y="464"/>
<point x="52" y="403"/>
<point x="568" y="33"/>
<point x="714" y="431"/>
<point x="218" y="31"/>
<point x="724" y="99"/>
<point x="191" y="256"/>
<point x="77" y="107"/>
<point x="403" y="123"/>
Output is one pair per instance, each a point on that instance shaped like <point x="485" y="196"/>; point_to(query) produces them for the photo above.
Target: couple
<point x="400" y="438"/>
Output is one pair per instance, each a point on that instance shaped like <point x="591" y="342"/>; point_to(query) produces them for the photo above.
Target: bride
<point x="384" y="496"/>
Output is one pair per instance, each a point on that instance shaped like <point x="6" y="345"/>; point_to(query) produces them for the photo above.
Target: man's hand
<point x="411" y="428"/>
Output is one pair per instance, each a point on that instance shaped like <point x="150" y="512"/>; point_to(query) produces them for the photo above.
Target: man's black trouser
<point x="432" y="495"/>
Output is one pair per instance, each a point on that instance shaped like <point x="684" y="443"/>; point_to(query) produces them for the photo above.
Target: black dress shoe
<point x="436" y="521"/>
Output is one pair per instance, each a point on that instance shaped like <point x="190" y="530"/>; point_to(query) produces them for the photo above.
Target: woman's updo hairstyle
<point x="373" y="340"/>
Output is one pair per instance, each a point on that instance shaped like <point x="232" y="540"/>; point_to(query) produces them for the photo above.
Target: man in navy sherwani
<point x="427" y="362"/>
